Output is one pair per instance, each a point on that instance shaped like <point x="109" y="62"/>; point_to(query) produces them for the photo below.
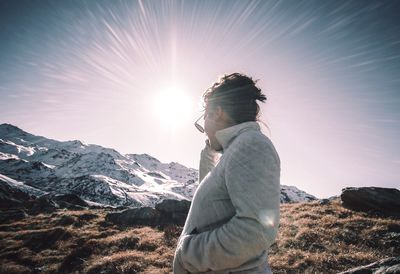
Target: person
<point x="234" y="215"/>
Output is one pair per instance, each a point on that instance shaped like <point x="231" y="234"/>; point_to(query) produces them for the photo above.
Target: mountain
<point x="38" y="165"/>
<point x="291" y="194"/>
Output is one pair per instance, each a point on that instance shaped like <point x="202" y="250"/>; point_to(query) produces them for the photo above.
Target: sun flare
<point x="172" y="106"/>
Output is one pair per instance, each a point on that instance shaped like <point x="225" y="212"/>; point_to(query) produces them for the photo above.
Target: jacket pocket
<point x="194" y="231"/>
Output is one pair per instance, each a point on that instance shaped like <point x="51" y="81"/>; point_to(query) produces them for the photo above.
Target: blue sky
<point x="96" y="70"/>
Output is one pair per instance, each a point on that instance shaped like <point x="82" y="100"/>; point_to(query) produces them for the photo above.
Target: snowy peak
<point x="36" y="164"/>
<point x="11" y="132"/>
<point x="10" y="129"/>
<point x="291" y="194"/>
<point x="97" y="174"/>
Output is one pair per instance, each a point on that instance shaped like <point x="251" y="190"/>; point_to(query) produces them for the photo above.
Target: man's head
<point x="230" y="101"/>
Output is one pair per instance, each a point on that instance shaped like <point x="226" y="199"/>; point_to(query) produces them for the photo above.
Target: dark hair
<point x="236" y="93"/>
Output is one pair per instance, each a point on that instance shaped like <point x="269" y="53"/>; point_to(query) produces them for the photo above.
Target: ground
<point x="312" y="238"/>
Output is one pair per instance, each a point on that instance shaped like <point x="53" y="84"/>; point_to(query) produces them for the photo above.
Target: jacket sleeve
<point x="177" y="266"/>
<point x="252" y="177"/>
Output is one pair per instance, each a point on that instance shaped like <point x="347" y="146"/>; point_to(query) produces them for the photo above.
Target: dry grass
<point x="80" y="241"/>
<point x="329" y="238"/>
<point x="312" y="238"/>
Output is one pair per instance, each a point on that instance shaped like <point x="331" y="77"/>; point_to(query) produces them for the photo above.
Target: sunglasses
<point x="199" y="127"/>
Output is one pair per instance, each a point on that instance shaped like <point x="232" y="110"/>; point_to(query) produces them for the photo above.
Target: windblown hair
<point x="237" y="94"/>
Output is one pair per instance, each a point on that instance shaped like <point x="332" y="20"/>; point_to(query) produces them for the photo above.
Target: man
<point x="234" y="215"/>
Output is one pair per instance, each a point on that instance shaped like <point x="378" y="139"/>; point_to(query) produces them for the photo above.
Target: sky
<point x="130" y="75"/>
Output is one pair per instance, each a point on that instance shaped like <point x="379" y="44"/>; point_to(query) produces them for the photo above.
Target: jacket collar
<point x="225" y="136"/>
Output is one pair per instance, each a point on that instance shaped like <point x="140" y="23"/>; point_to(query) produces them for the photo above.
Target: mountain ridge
<point x="98" y="174"/>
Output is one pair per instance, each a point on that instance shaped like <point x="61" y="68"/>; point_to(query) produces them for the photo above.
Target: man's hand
<point x="208" y="160"/>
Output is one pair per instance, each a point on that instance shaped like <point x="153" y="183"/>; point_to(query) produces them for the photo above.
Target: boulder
<point x="70" y="201"/>
<point x="324" y="201"/>
<point x="166" y="212"/>
<point x="173" y="211"/>
<point x="171" y="206"/>
<point x="40" y="205"/>
<point x="385" y="266"/>
<point x="385" y="201"/>
<point x="135" y="216"/>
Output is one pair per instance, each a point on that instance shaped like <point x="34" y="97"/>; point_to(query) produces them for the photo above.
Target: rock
<point x="385" y="201"/>
<point x="171" y="206"/>
<point x="166" y="212"/>
<point x="173" y="211"/>
<point x="135" y="216"/>
<point x="70" y="201"/>
<point x="155" y="174"/>
<point x="12" y="215"/>
<point x="324" y="201"/>
<point x="42" y="204"/>
<point x="385" y="266"/>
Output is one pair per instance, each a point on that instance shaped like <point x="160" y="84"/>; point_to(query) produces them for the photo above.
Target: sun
<point x="172" y="106"/>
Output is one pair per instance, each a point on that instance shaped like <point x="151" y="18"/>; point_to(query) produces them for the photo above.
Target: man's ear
<point x="222" y="116"/>
<point x="218" y="113"/>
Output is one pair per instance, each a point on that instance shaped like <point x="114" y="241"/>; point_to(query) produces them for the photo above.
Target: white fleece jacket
<point x="234" y="215"/>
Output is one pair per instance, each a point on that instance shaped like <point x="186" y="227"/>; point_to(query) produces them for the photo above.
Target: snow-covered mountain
<point x="39" y="165"/>
<point x="291" y="194"/>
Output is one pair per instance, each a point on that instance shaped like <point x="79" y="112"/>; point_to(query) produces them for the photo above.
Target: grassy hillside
<point x="312" y="238"/>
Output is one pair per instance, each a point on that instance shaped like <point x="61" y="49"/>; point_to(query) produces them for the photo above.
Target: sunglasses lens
<point x="200" y="128"/>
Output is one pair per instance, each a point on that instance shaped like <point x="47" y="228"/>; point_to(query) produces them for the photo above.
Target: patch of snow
<point x="6" y="156"/>
<point x="21" y="186"/>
